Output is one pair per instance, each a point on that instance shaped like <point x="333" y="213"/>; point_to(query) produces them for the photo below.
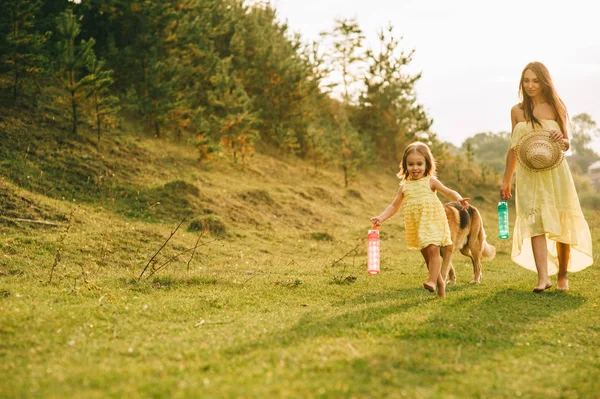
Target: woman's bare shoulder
<point x="517" y="114"/>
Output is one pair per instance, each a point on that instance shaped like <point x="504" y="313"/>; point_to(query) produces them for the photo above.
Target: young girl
<point x="425" y="221"/>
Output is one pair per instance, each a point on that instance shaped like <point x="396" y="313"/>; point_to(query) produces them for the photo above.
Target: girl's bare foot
<point x="441" y="291"/>
<point x="429" y="286"/>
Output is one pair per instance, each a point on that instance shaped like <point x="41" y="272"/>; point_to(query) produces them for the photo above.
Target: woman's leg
<point x="540" y="254"/>
<point x="431" y="253"/>
<point x="564" y="252"/>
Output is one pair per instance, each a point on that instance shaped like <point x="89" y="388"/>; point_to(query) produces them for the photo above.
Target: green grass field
<point x="274" y="302"/>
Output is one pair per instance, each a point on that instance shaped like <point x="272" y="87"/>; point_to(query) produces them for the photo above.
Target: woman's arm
<point x="435" y="184"/>
<point x="390" y="210"/>
<point x="511" y="160"/>
<point x="509" y="170"/>
<point x="557" y="135"/>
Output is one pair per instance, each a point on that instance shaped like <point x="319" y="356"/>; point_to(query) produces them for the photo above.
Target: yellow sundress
<point x="424" y="217"/>
<point x="547" y="204"/>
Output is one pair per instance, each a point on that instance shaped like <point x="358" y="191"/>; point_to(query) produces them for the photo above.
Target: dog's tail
<point x="489" y="251"/>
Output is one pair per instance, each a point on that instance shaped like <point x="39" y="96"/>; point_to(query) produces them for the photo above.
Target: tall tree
<point x="489" y="149"/>
<point x="347" y="59"/>
<point x="198" y="37"/>
<point x="22" y="43"/>
<point x="233" y="119"/>
<point x="104" y="103"/>
<point x="277" y="76"/>
<point x="134" y="37"/>
<point x="72" y="59"/>
<point x="584" y="130"/>
<point x="388" y="111"/>
<point x="347" y="56"/>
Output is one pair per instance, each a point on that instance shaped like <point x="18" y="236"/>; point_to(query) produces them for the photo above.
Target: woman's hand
<point x="464" y="203"/>
<point x="556" y="135"/>
<point x="505" y="191"/>
<point x="376" y="220"/>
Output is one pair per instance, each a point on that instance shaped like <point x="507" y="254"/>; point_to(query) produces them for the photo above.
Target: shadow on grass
<point x="495" y="319"/>
<point x="312" y="326"/>
<point x="479" y="327"/>
<point x="79" y="172"/>
<point x="469" y="319"/>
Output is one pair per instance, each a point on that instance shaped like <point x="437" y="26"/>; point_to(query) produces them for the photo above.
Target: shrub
<point x="212" y="224"/>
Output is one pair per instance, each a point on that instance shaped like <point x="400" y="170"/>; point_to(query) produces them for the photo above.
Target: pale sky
<point x="472" y="52"/>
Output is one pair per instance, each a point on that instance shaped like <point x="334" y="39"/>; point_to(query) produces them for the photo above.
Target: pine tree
<point x="232" y="121"/>
<point x="72" y="59"/>
<point x="193" y="59"/>
<point x="104" y="104"/>
<point x="388" y="112"/>
<point x="348" y="149"/>
<point x="22" y="45"/>
<point x="277" y="76"/>
<point x="347" y="57"/>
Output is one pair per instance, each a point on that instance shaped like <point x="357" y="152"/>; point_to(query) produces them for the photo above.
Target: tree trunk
<point x="16" y="33"/>
<point x="74" y="108"/>
<point x="98" y="120"/>
<point x="16" y="83"/>
<point x="156" y="128"/>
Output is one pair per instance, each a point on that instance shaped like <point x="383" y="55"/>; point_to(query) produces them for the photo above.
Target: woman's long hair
<point x="549" y="93"/>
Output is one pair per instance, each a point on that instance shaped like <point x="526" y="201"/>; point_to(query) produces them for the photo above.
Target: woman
<point x="550" y="233"/>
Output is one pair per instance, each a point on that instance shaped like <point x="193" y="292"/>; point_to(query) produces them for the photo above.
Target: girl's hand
<point x="556" y="135"/>
<point x="376" y="222"/>
<point x="464" y="203"/>
<point x="505" y="191"/>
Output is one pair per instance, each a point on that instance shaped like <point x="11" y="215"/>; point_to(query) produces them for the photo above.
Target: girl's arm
<point x="435" y="184"/>
<point x="390" y="210"/>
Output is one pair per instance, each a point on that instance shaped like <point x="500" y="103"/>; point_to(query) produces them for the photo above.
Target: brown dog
<point x="468" y="235"/>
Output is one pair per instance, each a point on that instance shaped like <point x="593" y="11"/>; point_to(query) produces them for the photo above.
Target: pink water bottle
<point x="373" y="252"/>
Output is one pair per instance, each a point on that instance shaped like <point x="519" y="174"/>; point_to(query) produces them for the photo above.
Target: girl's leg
<point x="564" y="251"/>
<point x="540" y="254"/>
<point x="431" y="253"/>
<point x="428" y="285"/>
<point x="425" y="256"/>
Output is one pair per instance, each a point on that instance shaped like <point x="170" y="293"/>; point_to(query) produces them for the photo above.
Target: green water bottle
<point x="502" y="220"/>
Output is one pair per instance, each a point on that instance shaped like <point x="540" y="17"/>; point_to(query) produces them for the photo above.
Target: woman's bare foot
<point x="563" y="284"/>
<point x="542" y="287"/>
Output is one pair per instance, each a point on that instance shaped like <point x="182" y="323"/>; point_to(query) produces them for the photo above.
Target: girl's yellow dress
<point x="425" y="221"/>
<point x="547" y="204"/>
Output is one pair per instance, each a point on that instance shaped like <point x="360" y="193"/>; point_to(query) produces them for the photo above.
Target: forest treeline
<point x="221" y="75"/>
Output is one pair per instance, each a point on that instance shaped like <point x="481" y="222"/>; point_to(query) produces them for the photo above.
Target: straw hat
<point x="537" y="153"/>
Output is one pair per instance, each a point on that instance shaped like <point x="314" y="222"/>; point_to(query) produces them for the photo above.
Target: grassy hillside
<point x="272" y="300"/>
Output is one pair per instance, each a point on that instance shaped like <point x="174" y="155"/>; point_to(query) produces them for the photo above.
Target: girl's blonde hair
<point x="422" y="149"/>
<point x="549" y="93"/>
